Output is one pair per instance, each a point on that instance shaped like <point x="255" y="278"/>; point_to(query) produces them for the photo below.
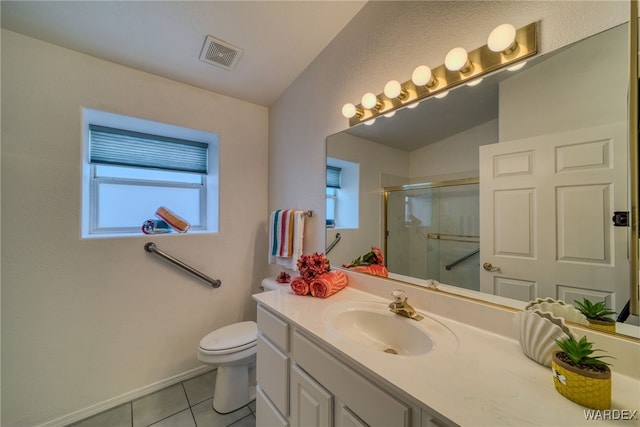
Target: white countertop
<point x="487" y="381"/>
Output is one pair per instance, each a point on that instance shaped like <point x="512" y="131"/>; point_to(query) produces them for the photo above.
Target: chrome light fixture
<point x="506" y="47"/>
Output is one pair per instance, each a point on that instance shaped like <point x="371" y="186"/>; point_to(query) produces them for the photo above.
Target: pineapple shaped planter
<point x="597" y="315"/>
<point x="580" y="377"/>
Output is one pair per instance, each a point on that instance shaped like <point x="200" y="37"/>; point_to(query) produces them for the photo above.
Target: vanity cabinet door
<point x="311" y="404"/>
<point x="266" y="412"/>
<point x="369" y="402"/>
<point x="345" y="417"/>
<point x="273" y="373"/>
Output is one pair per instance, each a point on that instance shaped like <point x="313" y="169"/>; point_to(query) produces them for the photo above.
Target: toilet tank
<point x="270" y="284"/>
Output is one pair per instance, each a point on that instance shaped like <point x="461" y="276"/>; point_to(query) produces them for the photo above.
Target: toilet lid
<point x="230" y="338"/>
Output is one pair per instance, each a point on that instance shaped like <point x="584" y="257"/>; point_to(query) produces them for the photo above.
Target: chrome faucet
<point x="401" y="307"/>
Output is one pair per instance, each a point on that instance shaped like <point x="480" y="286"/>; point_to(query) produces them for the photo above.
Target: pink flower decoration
<point x="283" y="277"/>
<point x="311" y="266"/>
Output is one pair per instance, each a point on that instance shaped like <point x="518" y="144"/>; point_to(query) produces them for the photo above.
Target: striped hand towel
<point x="286" y="232"/>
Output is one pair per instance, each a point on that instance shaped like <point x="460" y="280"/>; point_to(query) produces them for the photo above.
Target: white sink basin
<point x="372" y="325"/>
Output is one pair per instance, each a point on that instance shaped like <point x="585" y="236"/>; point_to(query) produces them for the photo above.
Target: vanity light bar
<point x="479" y="62"/>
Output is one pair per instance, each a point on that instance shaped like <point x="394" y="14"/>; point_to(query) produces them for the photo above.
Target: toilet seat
<point x="230" y="339"/>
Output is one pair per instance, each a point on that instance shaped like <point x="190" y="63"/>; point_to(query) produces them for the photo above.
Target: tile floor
<point x="186" y="404"/>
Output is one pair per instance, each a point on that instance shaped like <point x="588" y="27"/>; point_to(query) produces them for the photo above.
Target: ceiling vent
<point x="219" y="53"/>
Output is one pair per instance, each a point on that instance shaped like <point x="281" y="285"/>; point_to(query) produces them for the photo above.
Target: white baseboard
<point x="124" y="398"/>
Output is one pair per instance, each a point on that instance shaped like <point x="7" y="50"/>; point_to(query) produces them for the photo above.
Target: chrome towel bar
<point x="152" y="248"/>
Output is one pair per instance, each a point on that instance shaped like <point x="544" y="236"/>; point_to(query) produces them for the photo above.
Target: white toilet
<point x="232" y="349"/>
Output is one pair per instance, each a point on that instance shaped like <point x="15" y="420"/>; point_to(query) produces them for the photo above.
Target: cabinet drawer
<point x="273" y="373"/>
<point x="266" y="412"/>
<point x="274" y="328"/>
<point x="428" y="420"/>
<point x="370" y="403"/>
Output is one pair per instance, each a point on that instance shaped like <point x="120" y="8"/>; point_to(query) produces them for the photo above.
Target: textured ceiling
<point x="279" y="39"/>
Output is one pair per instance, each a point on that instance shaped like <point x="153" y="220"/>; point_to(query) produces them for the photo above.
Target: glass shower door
<point x="432" y="232"/>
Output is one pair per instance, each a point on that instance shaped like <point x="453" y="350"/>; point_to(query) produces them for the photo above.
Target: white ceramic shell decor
<point x="558" y="308"/>
<point x="537" y="334"/>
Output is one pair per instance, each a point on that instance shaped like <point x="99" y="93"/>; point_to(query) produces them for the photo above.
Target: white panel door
<point x="311" y="404"/>
<point x="546" y="208"/>
<point x="344" y="417"/>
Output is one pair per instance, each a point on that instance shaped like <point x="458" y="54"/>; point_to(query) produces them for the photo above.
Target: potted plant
<point x="579" y="376"/>
<point x="597" y="315"/>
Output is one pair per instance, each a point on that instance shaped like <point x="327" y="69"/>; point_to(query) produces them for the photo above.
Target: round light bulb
<point x="390" y="114"/>
<point x="369" y="100"/>
<point x="517" y="66"/>
<point x="370" y="122"/>
<point x="475" y="82"/>
<point x="412" y="106"/>
<point x="456" y="59"/>
<point x="392" y="89"/>
<point x="442" y="94"/>
<point x="502" y="38"/>
<point x="421" y="75"/>
<point x="348" y="110"/>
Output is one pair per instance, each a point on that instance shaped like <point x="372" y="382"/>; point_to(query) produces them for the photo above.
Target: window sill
<point x="146" y="236"/>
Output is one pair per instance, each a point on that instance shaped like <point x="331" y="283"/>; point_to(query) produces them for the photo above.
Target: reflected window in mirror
<point x="343" y="186"/>
<point x="332" y="198"/>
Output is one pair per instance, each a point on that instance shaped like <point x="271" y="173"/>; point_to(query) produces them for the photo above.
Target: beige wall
<point x="563" y="104"/>
<point x="387" y="40"/>
<point x="454" y="157"/>
<point x="377" y="162"/>
<point x="88" y="322"/>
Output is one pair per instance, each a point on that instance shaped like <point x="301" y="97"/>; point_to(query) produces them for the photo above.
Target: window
<point x="342" y="193"/>
<point x="333" y="184"/>
<point x="132" y="166"/>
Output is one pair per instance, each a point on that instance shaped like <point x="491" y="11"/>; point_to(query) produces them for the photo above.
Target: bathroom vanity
<point x="320" y="363"/>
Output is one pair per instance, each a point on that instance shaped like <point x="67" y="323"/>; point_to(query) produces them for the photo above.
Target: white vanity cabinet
<point x="322" y="389"/>
<point x="272" y="370"/>
<point x="361" y="402"/>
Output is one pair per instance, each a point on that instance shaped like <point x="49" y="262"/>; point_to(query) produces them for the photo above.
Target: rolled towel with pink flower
<point x="375" y="269"/>
<point x="299" y="286"/>
<point x="328" y="283"/>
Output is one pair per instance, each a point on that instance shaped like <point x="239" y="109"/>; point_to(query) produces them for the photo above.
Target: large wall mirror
<point x="504" y="191"/>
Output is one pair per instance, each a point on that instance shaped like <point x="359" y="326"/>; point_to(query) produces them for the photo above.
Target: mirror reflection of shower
<point x="432" y="231"/>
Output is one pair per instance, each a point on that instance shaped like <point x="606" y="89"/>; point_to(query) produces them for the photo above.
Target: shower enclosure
<point x="432" y="231"/>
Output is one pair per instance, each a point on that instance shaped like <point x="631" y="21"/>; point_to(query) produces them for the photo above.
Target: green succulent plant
<point x="597" y="311"/>
<point x="580" y="352"/>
